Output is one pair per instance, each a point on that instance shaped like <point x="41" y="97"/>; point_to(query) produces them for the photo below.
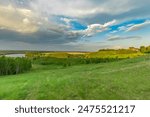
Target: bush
<point x="71" y="61"/>
<point x="10" y="66"/>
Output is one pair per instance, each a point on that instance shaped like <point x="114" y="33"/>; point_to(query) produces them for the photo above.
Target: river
<point x="15" y="55"/>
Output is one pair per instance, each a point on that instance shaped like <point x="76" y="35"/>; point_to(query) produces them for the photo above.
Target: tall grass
<point x="10" y="66"/>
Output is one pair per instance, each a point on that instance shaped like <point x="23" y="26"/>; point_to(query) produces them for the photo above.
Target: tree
<point x="148" y="49"/>
<point x="143" y="49"/>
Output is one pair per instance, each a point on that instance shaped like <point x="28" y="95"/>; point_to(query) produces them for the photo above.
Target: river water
<point x="15" y="55"/>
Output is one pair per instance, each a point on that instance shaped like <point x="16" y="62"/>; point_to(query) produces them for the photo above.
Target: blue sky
<point x="74" y="25"/>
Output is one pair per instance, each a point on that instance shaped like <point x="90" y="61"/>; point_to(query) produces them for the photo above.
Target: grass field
<point x="125" y="79"/>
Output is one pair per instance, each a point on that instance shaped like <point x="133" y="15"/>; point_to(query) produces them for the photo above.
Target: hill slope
<point x="126" y="79"/>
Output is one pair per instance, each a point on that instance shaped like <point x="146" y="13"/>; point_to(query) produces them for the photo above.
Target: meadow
<point x="123" y="80"/>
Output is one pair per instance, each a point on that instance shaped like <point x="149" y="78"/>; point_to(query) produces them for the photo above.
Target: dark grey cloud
<point x="140" y="10"/>
<point x="40" y="37"/>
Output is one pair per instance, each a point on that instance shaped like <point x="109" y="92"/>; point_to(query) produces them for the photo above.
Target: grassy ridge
<point x="126" y="79"/>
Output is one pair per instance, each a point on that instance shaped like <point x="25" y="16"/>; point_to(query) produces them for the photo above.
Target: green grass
<point x="125" y="79"/>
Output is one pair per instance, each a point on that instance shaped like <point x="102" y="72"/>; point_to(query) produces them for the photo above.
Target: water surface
<point x="15" y="55"/>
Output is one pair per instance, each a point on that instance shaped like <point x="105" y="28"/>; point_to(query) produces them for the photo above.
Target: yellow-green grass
<point x="123" y="53"/>
<point x="114" y="54"/>
<point x="123" y="80"/>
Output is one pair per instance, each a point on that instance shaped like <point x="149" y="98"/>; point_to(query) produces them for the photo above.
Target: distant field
<point x="5" y="52"/>
<point x="122" y="53"/>
<point x="125" y="79"/>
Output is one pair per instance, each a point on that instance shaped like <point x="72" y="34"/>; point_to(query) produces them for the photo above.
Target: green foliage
<point x="71" y="61"/>
<point x="144" y="49"/>
<point x="14" y="65"/>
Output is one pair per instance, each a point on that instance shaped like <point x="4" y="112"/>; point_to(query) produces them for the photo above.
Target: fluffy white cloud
<point x="26" y="21"/>
<point x="17" y="19"/>
<point x="95" y="28"/>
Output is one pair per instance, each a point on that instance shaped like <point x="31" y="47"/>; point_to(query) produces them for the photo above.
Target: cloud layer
<point x="59" y="23"/>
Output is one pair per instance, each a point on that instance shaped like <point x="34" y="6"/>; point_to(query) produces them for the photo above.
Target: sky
<point x="73" y="25"/>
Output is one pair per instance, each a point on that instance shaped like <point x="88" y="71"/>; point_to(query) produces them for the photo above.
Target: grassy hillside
<point x="121" y="53"/>
<point x="125" y="79"/>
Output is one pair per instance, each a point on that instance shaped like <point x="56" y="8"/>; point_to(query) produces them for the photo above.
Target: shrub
<point x="14" y="65"/>
<point x="71" y="61"/>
